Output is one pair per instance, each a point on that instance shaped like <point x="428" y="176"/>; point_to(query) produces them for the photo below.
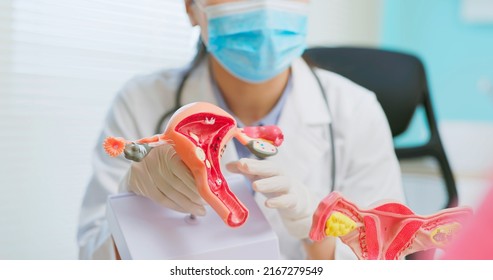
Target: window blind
<point x="61" y="64"/>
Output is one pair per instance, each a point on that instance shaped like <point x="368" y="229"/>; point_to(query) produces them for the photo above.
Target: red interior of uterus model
<point x="199" y="133"/>
<point x="386" y="232"/>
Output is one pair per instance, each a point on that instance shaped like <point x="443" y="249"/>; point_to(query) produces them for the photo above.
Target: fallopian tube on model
<point x="199" y="133"/>
<point x="387" y="232"/>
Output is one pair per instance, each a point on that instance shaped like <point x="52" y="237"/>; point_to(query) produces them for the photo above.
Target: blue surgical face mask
<point x="258" y="39"/>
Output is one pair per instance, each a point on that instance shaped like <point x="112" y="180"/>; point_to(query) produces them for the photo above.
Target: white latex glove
<point x="291" y="198"/>
<point x="163" y="177"/>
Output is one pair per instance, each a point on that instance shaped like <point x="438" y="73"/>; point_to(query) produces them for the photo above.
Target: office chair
<point x="399" y="82"/>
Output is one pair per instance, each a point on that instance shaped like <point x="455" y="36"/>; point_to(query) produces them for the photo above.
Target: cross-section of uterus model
<point x="199" y="133"/>
<point x="388" y="231"/>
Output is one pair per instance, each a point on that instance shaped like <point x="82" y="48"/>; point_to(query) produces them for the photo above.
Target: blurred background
<point x="62" y="62"/>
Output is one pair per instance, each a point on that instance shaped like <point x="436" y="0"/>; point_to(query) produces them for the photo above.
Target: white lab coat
<point x="366" y="167"/>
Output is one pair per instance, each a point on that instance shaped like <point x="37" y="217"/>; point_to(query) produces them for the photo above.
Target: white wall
<point x="470" y="154"/>
<point x="345" y="22"/>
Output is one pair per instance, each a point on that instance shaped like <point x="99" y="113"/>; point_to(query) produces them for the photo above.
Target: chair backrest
<point x="404" y="76"/>
<point x="399" y="82"/>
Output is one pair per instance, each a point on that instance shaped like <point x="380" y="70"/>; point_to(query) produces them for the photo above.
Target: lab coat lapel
<point x="304" y="122"/>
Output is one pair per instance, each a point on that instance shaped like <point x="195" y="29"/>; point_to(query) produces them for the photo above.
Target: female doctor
<point x="336" y="134"/>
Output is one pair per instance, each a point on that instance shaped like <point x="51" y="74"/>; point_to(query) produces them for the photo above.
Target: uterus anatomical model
<point x="386" y="232"/>
<point x="199" y="133"/>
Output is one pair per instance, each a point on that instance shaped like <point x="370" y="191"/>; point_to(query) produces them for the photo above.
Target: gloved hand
<point x="291" y="198"/>
<point x="163" y="177"/>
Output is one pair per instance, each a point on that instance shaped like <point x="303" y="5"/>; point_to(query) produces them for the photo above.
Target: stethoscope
<point x="179" y="93"/>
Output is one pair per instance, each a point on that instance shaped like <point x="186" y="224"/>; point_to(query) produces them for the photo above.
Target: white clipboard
<point x="145" y="230"/>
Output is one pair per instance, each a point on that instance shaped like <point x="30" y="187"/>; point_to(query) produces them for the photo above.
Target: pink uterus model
<point x="389" y="231"/>
<point x="199" y="133"/>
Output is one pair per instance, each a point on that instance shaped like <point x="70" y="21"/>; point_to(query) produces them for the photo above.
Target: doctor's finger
<point x="247" y="166"/>
<point x="174" y="189"/>
<point x="150" y="190"/>
<point x="181" y="172"/>
<point x="282" y="202"/>
<point x="187" y="190"/>
<point x="275" y="184"/>
<point x="157" y="196"/>
<point x="172" y="173"/>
